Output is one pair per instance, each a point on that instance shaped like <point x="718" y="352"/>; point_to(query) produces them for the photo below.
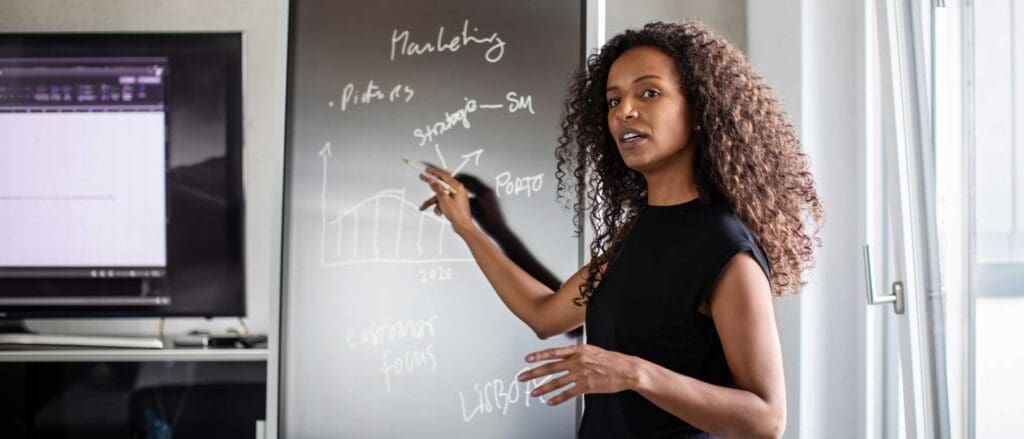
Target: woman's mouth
<point x="631" y="139"/>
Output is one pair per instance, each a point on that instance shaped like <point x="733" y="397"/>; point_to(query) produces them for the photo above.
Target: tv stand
<point x="14" y="333"/>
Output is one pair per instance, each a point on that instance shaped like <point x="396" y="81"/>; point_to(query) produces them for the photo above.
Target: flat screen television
<point x="121" y="175"/>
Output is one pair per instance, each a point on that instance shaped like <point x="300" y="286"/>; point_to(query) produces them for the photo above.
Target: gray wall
<point x="833" y="309"/>
<point x="728" y="17"/>
<point x="263" y="27"/>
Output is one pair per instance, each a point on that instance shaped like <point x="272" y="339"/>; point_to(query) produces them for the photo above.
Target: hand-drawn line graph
<point x="389" y="212"/>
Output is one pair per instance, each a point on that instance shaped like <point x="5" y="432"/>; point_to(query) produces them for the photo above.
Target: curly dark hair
<point x="747" y="153"/>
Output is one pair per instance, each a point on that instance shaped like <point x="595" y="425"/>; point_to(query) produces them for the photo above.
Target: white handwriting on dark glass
<point x="401" y="45"/>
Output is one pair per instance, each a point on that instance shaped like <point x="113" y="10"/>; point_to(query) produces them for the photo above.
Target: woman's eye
<point x="613" y="102"/>
<point x="650" y="93"/>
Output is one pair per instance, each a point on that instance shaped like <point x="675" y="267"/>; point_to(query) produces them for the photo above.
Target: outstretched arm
<point x="548" y="312"/>
<point x="487" y="214"/>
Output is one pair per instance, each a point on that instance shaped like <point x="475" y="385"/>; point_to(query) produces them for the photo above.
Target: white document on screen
<point x="82" y="189"/>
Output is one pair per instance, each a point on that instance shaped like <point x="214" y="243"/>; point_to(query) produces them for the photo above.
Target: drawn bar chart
<point x="385" y="228"/>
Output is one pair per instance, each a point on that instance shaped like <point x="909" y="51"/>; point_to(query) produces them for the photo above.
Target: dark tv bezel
<point x="113" y="44"/>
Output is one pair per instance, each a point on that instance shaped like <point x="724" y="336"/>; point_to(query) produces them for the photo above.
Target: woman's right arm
<point x="545" y="311"/>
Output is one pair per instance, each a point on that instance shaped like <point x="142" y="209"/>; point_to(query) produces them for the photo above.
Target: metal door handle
<point x="896" y="297"/>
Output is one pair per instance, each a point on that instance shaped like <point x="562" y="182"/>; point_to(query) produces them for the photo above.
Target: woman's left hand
<point x="590" y="370"/>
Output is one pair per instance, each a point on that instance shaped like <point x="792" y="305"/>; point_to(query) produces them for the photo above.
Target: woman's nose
<point x="626" y="110"/>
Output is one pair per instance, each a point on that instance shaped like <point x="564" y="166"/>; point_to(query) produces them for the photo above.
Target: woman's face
<point x="647" y="110"/>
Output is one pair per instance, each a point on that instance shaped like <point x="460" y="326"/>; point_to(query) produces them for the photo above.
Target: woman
<point x="704" y="209"/>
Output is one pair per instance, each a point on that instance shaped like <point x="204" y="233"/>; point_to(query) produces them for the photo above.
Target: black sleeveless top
<point x="646" y="306"/>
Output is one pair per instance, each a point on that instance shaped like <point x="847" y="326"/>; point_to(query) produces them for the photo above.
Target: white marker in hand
<point x="422" y="169"/>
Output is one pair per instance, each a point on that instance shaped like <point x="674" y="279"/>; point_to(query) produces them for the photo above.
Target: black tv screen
<point x="121" y="175"/>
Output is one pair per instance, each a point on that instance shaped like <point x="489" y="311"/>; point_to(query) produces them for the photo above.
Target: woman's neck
<point x="672" y="184"/>
<point x="667" y="195"/>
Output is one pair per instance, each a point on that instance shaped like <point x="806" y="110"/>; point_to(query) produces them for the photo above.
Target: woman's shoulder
<point x="731" y="235"/>
<point x="722" y="223"/>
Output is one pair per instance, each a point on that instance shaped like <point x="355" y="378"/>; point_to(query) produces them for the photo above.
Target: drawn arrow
<point x="466" y="158"/>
